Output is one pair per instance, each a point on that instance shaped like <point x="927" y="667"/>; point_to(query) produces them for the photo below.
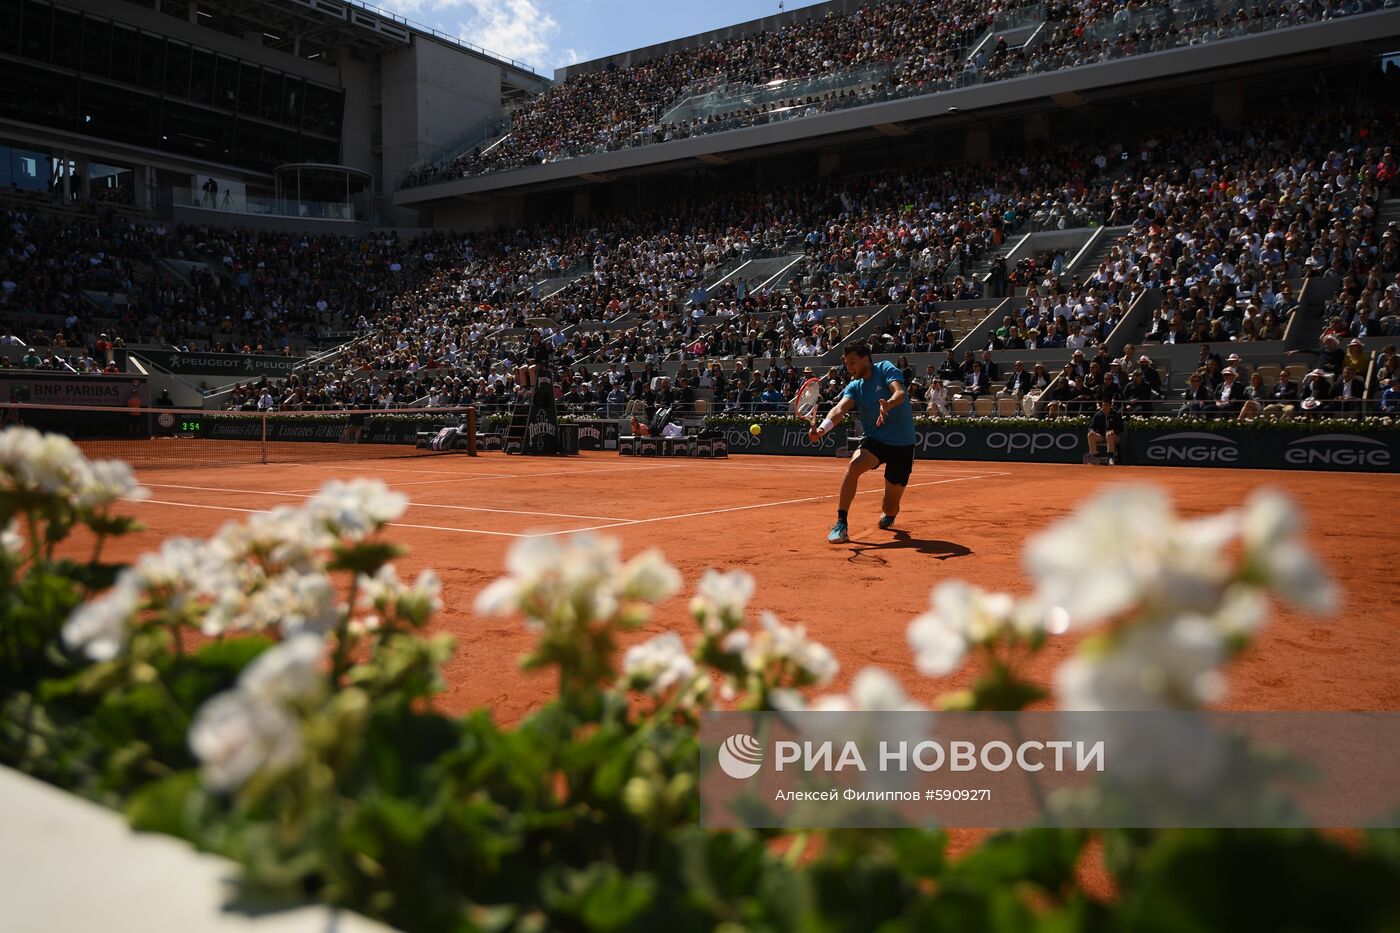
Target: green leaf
<point x="176" y="806"/>
<point x="1044" y="857"/>
<point x="364" y="557"/>
<point x="112" y="525"/>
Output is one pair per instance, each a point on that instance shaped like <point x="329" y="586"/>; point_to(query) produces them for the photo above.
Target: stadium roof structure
<point x="312" y="28"/>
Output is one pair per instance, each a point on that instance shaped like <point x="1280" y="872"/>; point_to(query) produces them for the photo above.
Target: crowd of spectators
<point x="889" y="49"/>
<point x="1219" y="222"/>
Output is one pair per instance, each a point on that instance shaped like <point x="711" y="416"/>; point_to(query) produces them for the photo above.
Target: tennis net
<point x="172" y="438"/>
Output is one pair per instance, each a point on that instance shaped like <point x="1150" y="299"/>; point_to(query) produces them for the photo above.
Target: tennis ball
<point x="755" y="429"/>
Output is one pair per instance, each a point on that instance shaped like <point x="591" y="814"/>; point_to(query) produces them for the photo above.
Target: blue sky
<point x="549" y="34"/>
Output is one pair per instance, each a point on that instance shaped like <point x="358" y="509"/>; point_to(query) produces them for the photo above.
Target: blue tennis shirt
<point x="898" y="428"/>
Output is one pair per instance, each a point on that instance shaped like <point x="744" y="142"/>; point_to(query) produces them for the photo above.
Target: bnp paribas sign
<point x="234" y="365"/>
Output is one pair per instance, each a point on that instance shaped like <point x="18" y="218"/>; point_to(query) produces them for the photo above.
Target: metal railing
<point x="437" y="34"/>
<point x="359" y="208"/>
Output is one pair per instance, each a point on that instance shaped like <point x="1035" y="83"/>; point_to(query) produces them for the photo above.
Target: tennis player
<point x="876" y="391"/>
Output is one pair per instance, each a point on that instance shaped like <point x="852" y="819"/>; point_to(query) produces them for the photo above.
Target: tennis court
<point x="769" y="516"/>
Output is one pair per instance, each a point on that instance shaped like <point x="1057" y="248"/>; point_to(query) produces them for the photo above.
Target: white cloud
<point x="517" y="29"/>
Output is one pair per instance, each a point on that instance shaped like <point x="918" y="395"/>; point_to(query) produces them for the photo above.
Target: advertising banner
<point x="597" y="434"/>
<point x="376" y="431"/>
<point x="1208" y="445"/>
<point x="54" y="389"/>
<point x="235" y="366"/>
<point x="1031" y="444"/>
<point x="1267" y="449"/>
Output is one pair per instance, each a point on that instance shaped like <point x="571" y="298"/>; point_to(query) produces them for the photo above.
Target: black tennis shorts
<point x="897" y="458"/>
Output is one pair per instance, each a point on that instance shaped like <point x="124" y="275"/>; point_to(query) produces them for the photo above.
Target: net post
<point x="471" y="431"/>
<point x="262" y="449"/>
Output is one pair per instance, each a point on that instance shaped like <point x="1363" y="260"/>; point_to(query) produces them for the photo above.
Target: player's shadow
<point x="939" y="550"/>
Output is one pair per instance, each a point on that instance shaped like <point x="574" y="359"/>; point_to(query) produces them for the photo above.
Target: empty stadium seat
<point x="984" y="406"/>
<point x="1006" y="407"/>
<point x="961" y="406"/>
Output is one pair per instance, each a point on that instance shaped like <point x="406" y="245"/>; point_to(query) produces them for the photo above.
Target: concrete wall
<point x="479" y="215"/>
<point x="270" y="222"/>
<point x="430" y="94"/>
<point x="130" y="880"/>
<point x="358" y="79"/>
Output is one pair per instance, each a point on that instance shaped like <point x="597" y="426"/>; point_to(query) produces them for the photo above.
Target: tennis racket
<point x="808" y="399"/>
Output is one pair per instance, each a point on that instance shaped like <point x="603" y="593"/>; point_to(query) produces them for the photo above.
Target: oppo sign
<point x="1011" y="443"/>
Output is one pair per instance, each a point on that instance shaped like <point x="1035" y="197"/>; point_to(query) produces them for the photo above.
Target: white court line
<point x="616" y="524"/>
<point x="763" y="505"/>
<point x="486" y="476"/>
<point x="418" y="505"/>
<point x="837" y="465"/>
<point x="230" y="508"/>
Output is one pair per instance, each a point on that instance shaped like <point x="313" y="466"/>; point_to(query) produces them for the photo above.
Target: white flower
<point x="658" y="664"/>
<point x="560" y="579"/>
<point x="99" y="627"/>
<point x="11" y="540"/>
<point x="18" y="449"/>
<point x="1127" y="549"/>
<point x="781" y="644"/>
<point x="874" y="690"/>
<point x="236" y="734"/>
<point x="649" y="578"/>
<point x="963" y="614"/>
<point x="385" y="591"/>
<point x="106" y="481"/>
<point x="720" y="599"/>
<point x="286" y="672"/>
<point x="938" y="647"/>
<point x="291" y="601"/>
<point x="1296" y="576"/>
<point x="47" y="463"/>
<point x="1269" y="517"/>
<point x="356" y="508"/>
<point x="183" y="569"/>
<point x="1241" y="611"/>
<point x="307" y="602"/>
<point x="501" y="597"/>
<point x="1271" y="530"/>
<point x="285" y="536"/>
<point x="533" y="557"/>
<point x="1149" y="667"/>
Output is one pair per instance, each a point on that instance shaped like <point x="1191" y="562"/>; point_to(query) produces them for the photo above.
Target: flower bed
<point x="299" y="737"/>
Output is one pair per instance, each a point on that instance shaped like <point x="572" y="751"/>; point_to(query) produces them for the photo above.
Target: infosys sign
<point x="1265" y="449"/>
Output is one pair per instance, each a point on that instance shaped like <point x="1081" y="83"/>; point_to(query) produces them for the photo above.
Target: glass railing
<point x="729" y="99"/>
<point x="1018" y="18"/>
<point x="480" y="135"/>
<point x="357" y="209"/>
<point x="1193" y="22"/>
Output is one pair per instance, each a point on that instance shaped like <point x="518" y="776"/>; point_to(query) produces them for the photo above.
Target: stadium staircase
<point x="1096" y="251"/>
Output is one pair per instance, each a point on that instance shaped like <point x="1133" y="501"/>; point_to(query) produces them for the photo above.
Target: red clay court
<point x="769" y="516"/>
